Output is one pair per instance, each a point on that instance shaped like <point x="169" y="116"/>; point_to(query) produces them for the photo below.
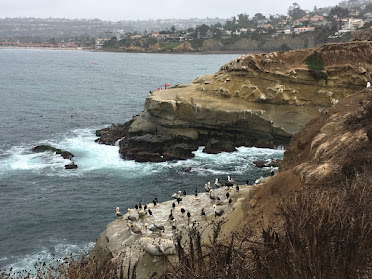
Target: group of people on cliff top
<point x="166" y="85"/>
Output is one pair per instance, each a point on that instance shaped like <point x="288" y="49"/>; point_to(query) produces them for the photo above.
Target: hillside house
<point x="353" y="24"/>
<point x="299" y="30"/>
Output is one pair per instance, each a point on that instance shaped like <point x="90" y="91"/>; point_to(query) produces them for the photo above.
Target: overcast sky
<point x="116" y="10"/>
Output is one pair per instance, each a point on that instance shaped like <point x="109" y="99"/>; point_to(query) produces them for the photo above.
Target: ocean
<point x="60" y="98"/>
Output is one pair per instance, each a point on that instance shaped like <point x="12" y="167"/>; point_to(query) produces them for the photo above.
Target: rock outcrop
<point x="255" y="100"/>
<point x="43" y="148"/>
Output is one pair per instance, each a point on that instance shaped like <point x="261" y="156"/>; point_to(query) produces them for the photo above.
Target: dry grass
<point x="324" y="234"/>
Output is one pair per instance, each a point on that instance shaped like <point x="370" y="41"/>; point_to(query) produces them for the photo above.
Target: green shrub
<point x="314" y="62"/>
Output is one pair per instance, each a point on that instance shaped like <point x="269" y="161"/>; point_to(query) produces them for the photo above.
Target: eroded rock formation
<point x="255" y="100"/>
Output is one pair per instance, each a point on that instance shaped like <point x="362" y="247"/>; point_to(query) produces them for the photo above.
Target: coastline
<point x="139" y="52"/>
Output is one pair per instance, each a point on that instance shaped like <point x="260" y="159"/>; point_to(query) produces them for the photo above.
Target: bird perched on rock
<point x="179" y="199"/>
<point x="230" y="200"/>
<point x="203" y="212"/>
<point x="196" y="192"/>
<point x="218" y="184"/>
<point x="131" y="218"/>
<point x="135" y="228"/>
<point x="217" y="212"/>
<point x="149" y="212"/>
<point x="230" y="182"/>
<point x="176" y="196"/>
<point x="272" y="172"/>
<point x="171" y="217"/>
<point x="368" y="84"/>
<point x="160" y="227"/>
<point x="154" y="228"/>
<point x="173" y="205"/>
<point x="207" y="186"/>
<point x="227" y="195"/>
<point x="118" y="213"/>
<point x="237" y="188"/>
<point x="155" y="201"/>
<point x="211" y="196"/>
<point x="184" y="192"/>
<point x="183" y="211"/>
<point x="188" y="215"/>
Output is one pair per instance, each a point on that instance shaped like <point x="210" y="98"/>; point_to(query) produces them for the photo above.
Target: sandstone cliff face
<point x="326" y="153"/>
<point x="255" y="100"/>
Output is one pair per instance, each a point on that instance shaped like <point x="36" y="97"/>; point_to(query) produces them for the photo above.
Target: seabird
<point x="272" y="172"/>
<point x="141" y="213"/>
<point x="145" y="207"/>
<point x="153" y="228"/>
<point x="211" y="196"/>
<point x="184" y="192"/>
<point x="218" y="184"/>
<point x="203" y="212"/>
<point x="135" y="229"/>
<point x="131" y="218"/>
<point x="176" y="196"/>
<point x="173" y="205"/>
<point x="230" y="182"/>
<point x="118" y="213"/>
<point x="188" y="215"/>
<point x="160" y="227"/>
<point x="230" y="200"/>
<point x="183" y="211"/>
<point x="207" y="186"/>
<point x="171" y="217"/>
<point x="136" y="206"/>
<point x="179" y="199"/>
<point x="368" y="84"/>
<point x="149" y="212"/>
<point x="217" y="212"/>
<point x="196" y="192"/>
<point x="237" y="188"/>
<point x="227" y="195"/>
<point x="247" y="182"/>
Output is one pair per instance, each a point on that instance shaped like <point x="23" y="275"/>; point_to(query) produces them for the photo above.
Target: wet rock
<point x="71" y="166"/>
<point x="44" y="148"/>
<point x="110" y="135"/>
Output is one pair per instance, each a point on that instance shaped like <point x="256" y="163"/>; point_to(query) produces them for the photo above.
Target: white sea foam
<point x="91" y="156"/>
<point x="48" y="255"/>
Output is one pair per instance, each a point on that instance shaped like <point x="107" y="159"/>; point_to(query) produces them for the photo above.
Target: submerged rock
<point x="71" y="166"/>
<point x="43" y="148"/>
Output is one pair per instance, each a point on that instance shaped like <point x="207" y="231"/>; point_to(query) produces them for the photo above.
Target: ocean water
<point x="61" y="98"/>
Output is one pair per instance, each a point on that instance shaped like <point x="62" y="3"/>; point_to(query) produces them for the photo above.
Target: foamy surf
<point x="49" y="255"/>
<point x="91" y="156"/>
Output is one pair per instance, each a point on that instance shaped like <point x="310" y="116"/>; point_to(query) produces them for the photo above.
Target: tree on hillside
<point x="243" y="20"/>
<point x="295" y="11"/>
<point x="336" y="15"/>
<point x="259" y="16"/>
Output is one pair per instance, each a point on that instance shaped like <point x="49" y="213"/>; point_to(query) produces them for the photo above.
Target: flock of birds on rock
<point x="138" y="218"/>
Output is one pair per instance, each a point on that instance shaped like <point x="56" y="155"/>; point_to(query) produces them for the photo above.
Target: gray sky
<point x="149" y="9"/>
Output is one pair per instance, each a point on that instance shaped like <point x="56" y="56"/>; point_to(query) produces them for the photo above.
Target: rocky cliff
<point x="255" y="100"/>
<point x="329" y="151"/>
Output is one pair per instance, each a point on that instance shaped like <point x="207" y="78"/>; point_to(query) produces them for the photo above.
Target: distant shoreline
<point x="147" y="52"/>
